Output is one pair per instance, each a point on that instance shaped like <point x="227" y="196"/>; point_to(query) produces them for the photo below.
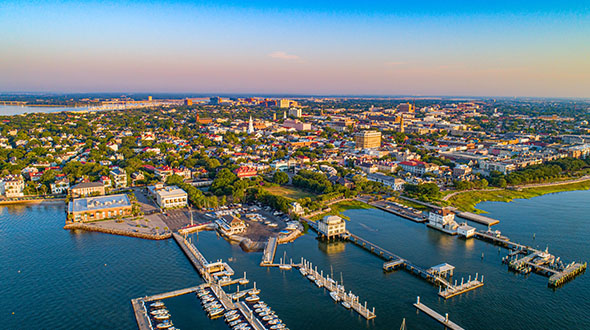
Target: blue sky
<point x="497" y="48"/>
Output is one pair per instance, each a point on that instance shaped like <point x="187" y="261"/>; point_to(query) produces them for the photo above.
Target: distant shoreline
<point x="33" y="201"/>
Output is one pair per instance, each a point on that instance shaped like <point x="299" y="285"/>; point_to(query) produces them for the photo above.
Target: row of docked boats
<point x="267" y="316"/>
<point x="161" y="316"/>
<point x="210" y="303"/>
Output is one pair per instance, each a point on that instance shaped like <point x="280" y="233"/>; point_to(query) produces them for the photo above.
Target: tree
<point x="280" y="178"/>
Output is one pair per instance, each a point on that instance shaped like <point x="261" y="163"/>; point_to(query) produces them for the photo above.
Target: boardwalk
<point x="141" y="316"/>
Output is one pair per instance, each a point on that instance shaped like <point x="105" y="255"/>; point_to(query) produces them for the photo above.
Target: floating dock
<point x="442" y="319"/>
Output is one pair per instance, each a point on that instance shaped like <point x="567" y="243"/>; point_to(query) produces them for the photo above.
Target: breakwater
<point x="120" y="232"/>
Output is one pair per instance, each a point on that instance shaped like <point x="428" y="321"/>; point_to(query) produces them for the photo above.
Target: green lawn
<point x="466" y="201"/>
<point x="338" y="208"/>
<point x="289" y="192"/>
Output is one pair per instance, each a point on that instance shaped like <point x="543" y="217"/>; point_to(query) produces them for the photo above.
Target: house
<point x="245" y="172"/>
<point x="119" y="176"/>
<point x="12" y="186"/>
<point x="98" y="208"/>
<point x="163" y="172"/>
<point x="231" y="225"/>
<point x="106" y="181"/>
<point x="60" y="186"/>
<point x="395" y="183"/>
<point x="297" y="209"/>
<point x="368" y="167"/>
<point x="418" y="167"/>
<point x="331" y="226"/>
<point x="87" y="188"/>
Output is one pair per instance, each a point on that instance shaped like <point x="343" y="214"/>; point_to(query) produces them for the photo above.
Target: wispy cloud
<point x="283" y="56"/>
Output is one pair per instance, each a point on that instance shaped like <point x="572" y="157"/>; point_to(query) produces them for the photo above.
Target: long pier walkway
<point x="442" y="319"/>
<point x="333" y="286"/>
<point x="269" y="251"/>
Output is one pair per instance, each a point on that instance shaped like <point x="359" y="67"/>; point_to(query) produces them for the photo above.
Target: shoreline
<point x="33" y="201"/>
<point x="118" y="232"/>
<point x="467" y="201"/>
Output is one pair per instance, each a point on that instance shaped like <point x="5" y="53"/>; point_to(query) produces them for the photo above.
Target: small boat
<point x="159" y="311"/>
<point x="334" y="296"/>
<point x="274" y="321"/>
<point x="235" y="323"/>
<point x="253" y="291"/>
<point x="164" y="325"/>
<point x="303" y="271"/>
<point x="267" y="318"/>
<point x="277" y="326"/>
<point x="285" y="267"/>
<point x="232" y="318"/>
<point x="239" y="295"/>
<point x="157" y="304"/>
<point x="346" y="305"/>
<point x="252" y="298"/>
<point x="310" y="277"/>
<point x="318" y="283"/>
<point x="243" y="281"/>
<point x="232" y="312"/>
<point x="216" y="311"/>
<point x="260" y="304"/>
<point x="162" y="317"/>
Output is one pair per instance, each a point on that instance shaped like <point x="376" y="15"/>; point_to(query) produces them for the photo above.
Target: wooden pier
<point x="567" y="274"/>
<point x="194" y="256"/>
<point x="399" y="211"/>
<point x="455" y="290"/>
<point x="442" y="319"/>
<point x="249" y="316"/>
<point x="333" y="286"/>
<point x="269" y="252"/>
<point x="141" y="316"/>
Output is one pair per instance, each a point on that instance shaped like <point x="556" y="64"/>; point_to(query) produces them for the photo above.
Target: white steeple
<point x="250" y="126"/>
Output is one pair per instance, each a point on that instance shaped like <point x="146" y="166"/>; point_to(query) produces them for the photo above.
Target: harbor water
<point x="52" y="278"/>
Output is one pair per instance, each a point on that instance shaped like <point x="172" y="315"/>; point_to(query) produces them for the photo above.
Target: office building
<point x="368" y="140"/>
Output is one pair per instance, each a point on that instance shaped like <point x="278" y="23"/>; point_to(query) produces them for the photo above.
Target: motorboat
<point x="285" y="267"/>
<point x="232" y="312"/>
<point x="164" y="325"/>
<point x="232" y="317"/>
<point x="157" y="304"/>
<point x="267" y="318"/>
<point x="215" y="312"/>
<point x="277" y="326"/>
<point x="253" y="291"/>
<point x="310" y="277"/>
<point x="260" y="304"/>
<point x="274" y="321"/>
<point x="303" y="271"/>
<point x="159" y="311"/>
<point x="252" y="298"/>
<point x="346" y="305"/>
<point x="318" y="283"/>
<point x="162" y="317"/>
<point x="243" y="281"/>
<point x="334" y="296"/>
<point x="234" y="323"/>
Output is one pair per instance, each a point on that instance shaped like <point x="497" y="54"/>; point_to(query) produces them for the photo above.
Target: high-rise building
<point x="188" y="102"/>
<point x="368" y="139"/>
<point x="405" y="107"/>
<point x="295" y="112"/>
<point x="216" y="100"/>
<point x="150" y="98"/>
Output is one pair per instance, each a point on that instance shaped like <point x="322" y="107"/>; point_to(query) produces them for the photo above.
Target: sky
<point x="453" y="47"/>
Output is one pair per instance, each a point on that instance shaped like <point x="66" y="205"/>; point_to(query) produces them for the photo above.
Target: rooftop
<point x="98" y="203"/>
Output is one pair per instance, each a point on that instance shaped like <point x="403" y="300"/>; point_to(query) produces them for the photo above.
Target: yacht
<point x="310" y="277"/>
<point x="334" y="296"/>
<point x="234" y="323"/>
<point x="215" y="312"/>
<point x="162" y="317"/>
<point x="232" y="317"/>
<point x="303" y="271"/>
<point x="252" y="298"/>
<point x="285" y="267"/>
<point x="346" y="305"/>
<point x="267" y="318"/>
<point x="318" y="283"/>
<point x="159" y="311"/>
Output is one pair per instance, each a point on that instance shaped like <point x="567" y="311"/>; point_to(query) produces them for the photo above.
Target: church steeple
<point x="250" y="126"/>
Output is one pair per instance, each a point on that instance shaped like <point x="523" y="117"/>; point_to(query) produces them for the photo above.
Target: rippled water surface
<point x="64" y="283"/>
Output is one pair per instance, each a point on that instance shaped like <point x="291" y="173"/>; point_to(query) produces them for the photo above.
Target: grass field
<point x="289" y="192"/>
<point x="466" y="201"/>
<point x="338" y="208"/>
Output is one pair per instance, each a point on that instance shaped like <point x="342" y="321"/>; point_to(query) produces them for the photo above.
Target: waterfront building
<point x="297" y="209"/>
<point x="12" y="186"/>
<point x="231" y="225"/>
<point x="368" y="139"/>
<point x="395" y="183"/>
<point x="466" y="230"/>
<point x="169" y="197"/>
<point x="331" y="226"/>
<point x="443" y="220"/>
<point x="60" y="186"/>
<point x="119" y="177"/>
<point x="98" y="208"/>
<point x="87" y="188"/>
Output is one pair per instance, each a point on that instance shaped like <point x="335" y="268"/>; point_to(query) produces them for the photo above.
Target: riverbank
<point x="466" y="201"/>
<point x="340" y="207"/>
